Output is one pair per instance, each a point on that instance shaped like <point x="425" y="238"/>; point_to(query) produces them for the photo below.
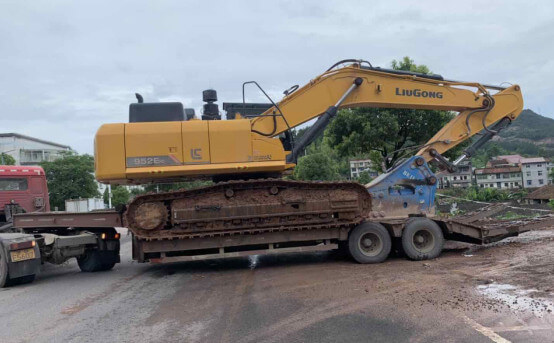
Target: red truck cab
<point x="24" y="185"/>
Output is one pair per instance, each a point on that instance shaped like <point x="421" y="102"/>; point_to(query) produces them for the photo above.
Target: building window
<point x="528" y="182"/>
<point x="540" y="172"/>
<point x="516" y="183"/>
<point x="498" y="176"/>
<point x="527" y="166"/>
<point x="528" y="174"/>
<point x="539" y="165"/>
<point x="541" y="181"/>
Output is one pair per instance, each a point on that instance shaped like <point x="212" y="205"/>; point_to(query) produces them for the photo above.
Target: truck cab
<point x="24" y="186"/>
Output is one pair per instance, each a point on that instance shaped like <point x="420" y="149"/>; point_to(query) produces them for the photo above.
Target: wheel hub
<point x="370" y="244"/>
<point x="423" y="240"/>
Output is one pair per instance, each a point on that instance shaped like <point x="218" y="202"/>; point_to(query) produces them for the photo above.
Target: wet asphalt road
<point x="321" y="297"/>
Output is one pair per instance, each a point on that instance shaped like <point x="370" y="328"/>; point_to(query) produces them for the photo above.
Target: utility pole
<point x="109" y="196"/>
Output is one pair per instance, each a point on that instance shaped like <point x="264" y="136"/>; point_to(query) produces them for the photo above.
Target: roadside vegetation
<point x="70" y="177"/>
<point x="475" y="193"/>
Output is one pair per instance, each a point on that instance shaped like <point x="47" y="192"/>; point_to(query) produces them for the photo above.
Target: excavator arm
<point x="359" y="86"/>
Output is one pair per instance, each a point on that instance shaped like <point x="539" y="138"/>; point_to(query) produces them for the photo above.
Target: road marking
<point x="521" y="328"/>
<point x="488" y="332"/>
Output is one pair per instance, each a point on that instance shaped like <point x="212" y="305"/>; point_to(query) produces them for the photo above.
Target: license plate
<point x="22" y="255"/>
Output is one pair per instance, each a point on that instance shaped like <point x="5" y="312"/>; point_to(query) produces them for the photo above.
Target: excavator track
<point x="247" y="207"/>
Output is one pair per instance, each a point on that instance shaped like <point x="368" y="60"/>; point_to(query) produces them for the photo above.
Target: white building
<point x="29" y="150"/>
<point x="502" y="177"/>
<point x="358" y="166"/>
<point x="535" y="172"/>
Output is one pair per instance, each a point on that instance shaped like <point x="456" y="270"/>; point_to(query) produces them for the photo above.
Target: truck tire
<point x="95" y="261"/>
<point x="369" y="243"/>
<point x="3" y="267"/>
<point x="422" y="239"/>
<point x="108" y="265"/>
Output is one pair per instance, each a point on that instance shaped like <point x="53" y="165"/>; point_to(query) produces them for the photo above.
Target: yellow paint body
<point x="162" y="151"/>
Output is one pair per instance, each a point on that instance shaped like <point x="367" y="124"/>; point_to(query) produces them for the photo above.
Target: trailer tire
<point x="422" y="239"/>
<point x="95" y="261"/>
<point x="3" y="267"/>
<point x="369" y="243"/>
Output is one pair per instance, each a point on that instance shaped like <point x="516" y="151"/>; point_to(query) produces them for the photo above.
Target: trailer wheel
<point x="422" y="239"/>
<point x="369" y="243"/>
<point x="3" y="267"/>
<point x="95" y="261"/>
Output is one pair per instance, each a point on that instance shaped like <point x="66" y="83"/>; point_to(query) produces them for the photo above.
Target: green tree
<point x="120" y="195"/>
<point x="317" y="166"/>
<point x="6" y="160"/>
<point x="70" y="177"/>
<point x="386" y="130"/>
<point x="364" y="178"/>
<point x="551" y="175"/>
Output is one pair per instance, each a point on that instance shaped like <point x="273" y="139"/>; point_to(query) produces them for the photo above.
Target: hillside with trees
<point x="529" y="135"/>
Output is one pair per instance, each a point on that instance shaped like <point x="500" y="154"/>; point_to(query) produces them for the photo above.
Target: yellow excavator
<point x="249" y="152"/>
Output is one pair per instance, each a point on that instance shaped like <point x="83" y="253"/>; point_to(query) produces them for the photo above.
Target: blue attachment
<point x="408" y="189"/>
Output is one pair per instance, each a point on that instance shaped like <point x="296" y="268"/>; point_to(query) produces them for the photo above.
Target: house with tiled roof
<point x="542" y="195"/>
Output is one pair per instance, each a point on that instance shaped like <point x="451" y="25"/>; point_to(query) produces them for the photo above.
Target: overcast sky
<point x="69" y="66"/>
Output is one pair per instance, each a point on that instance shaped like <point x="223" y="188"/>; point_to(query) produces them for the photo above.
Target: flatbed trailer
<point x="475" y="228"/>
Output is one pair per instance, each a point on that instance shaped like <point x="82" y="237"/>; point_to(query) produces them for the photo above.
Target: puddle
<point x="518" y="299"/>
<point x="252" y="261"/>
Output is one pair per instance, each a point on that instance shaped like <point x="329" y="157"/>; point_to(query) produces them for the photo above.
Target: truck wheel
<point x="3" y="267"/>
<point x="369" y="243"/>
<point x="108" y="265"/>
<point x="90" y="262"/>
<point x="422" y="239"/>
<point x="96" y="261"/>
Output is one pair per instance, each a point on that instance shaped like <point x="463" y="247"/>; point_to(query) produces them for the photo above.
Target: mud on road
<point x="496" y="293"/>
